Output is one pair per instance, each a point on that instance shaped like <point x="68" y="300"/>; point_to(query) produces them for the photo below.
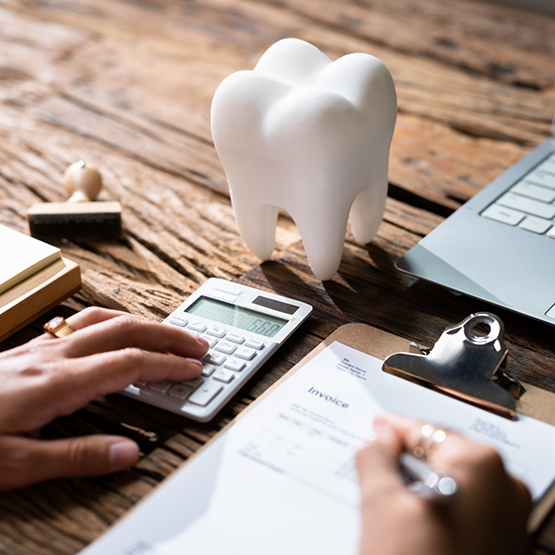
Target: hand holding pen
<point x="421" y="478"/>
<point x="486" y="514"/>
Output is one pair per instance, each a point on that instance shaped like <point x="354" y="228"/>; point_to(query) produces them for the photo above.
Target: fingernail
<point x="202" y="341"/>
<point x="122" y="454"/>
<point x="195" y="362"/>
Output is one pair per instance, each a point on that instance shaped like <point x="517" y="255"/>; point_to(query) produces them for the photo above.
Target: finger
<point x="125" y="331"/>
<point x="378" y="463"/>
<point x="87" y="317"/>
<point x="81" y="380"/>
<point x="410" y="431"/>
<point x="94" y="315"/>
<point x="26" y="461"/>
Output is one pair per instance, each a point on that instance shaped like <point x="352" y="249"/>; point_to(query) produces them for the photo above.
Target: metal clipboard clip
<point x="465" y="365"/>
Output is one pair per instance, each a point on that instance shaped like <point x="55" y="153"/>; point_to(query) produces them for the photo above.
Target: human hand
<point x="487" y="516"/>
<point x="50" y="377"/>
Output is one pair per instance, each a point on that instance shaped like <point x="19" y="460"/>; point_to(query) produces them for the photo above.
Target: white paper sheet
<point x="282" y="480"/>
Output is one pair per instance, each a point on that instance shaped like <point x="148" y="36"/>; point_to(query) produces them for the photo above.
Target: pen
<point x="426" y="482"/>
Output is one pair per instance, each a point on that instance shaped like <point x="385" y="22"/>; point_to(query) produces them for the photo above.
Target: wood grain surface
<point x="128" y="85"/>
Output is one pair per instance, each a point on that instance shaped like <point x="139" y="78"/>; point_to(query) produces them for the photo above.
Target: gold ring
<point x="430" y="438"/>
<point x="58" y="327"/>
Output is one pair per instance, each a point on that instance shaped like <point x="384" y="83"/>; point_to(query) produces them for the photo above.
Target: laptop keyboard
<point x="530" y="203"/>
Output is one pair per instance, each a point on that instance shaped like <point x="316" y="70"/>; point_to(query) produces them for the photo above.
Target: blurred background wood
<point x="127" y="86"/>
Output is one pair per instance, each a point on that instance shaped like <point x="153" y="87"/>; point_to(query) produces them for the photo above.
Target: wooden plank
<point x="176" y="138"/>
<point x="501" y="43"/>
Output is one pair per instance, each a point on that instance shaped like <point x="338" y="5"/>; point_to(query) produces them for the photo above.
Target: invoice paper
<point x="282" y="479"/>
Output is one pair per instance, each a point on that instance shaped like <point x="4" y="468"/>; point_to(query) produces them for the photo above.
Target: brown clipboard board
<point x="535" y="402"/>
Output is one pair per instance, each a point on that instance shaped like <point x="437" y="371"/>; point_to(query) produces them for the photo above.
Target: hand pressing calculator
<point x="244" y="326"/>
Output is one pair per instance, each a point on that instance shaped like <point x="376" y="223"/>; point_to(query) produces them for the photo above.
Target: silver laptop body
<point x="500" y="245"/>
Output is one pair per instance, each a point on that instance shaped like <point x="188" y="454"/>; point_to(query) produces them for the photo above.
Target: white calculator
<point x="244" y="326"/>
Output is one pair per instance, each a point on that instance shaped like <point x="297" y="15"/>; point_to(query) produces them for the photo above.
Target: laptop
<point x="500" y="245"/>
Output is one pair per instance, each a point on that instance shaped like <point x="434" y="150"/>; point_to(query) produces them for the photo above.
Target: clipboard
<point x="212" y="474"/>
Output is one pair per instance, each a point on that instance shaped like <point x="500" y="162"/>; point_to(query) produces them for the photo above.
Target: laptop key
<point x="527" y="189"/>
<point x="548" y="166"/>
<point x="539" y="177"/>
<point x="503" y="215"/>
<point x="530" y="206"/>
<point x="537" y="225"/>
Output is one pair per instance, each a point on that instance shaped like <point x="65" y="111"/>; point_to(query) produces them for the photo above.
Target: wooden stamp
<point x="81" y="217"/>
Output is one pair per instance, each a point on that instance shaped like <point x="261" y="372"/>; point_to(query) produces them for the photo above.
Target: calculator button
<point x="178" y="321"/>
<point x="214" y="358"/>
<point x="210" y="340"/>
<point x="226" y="347"/>
<point x="208" y="370"/>
<point x="246" y="353"/>
<point x="179" y="391"/>
<point x="235" y="338"/>
<point x="197" y="326"/>
<point x="203" y="395"/>
<point x="215" y="331"/>
<point x="234" y="364"/>
<point x="193" y="383"/>
<point x="254" y="344"/>
<point x="223" y="375"/>
<point x="140" y="384"/>
<point x="160" y="387"/>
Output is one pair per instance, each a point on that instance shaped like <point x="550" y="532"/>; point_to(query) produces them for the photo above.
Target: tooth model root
<point x="323" y="240"/>
<point x="311" y="136"/>
<point x="257" y="225"/>
<point x="369" y="205"/>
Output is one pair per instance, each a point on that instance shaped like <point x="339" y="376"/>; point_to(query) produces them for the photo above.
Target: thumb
<point x="378" y="462"/>
<point x="26" y="461"/>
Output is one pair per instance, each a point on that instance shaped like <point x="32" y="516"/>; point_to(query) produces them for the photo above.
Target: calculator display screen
<point x="239" y="317"/>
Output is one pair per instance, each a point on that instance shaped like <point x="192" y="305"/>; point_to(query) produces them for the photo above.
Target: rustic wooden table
<point x="128" y="86"/>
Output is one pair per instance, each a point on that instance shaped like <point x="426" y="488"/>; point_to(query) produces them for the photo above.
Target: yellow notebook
<point x="22" y="256"/>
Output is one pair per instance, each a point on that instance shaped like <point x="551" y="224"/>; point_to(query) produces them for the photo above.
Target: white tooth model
<point x="311" y="136"/>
